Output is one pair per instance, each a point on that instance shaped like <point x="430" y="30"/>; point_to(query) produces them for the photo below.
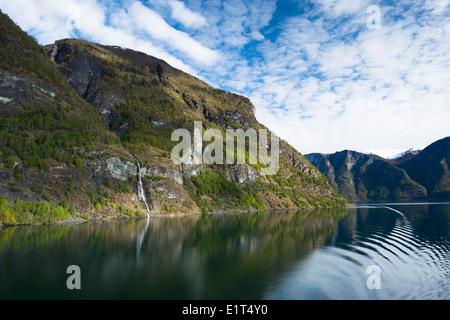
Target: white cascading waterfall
<point x="141" y="191"/>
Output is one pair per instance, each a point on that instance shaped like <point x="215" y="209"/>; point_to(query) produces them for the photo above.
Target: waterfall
<point x="141" y="191"/>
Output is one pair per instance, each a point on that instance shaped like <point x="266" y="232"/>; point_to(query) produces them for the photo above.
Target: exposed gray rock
<point x="5" y="100"/>
<point x="174" y="173"/>
<point x="190" y="171"/>
<point x="323" y="164"/>
<point x="15" y="90"/>
<point x="122" y="169"/>
<point x="239" y="118"/>
<point x="298" y="161"/>
<point x="170" y="191"/>
<point x="44" y="90"/>
<point x="103" y="101"/>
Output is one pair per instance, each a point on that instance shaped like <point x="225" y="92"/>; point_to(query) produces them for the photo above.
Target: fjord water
<point x="308" y="254"/>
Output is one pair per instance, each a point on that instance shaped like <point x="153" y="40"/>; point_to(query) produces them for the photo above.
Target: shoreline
<point x="77" y="220"/>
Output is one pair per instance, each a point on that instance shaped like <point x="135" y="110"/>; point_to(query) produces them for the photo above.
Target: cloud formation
<point x="319" y="76"/>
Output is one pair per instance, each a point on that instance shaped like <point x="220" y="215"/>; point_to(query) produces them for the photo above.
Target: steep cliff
<point x="430" y="168"/>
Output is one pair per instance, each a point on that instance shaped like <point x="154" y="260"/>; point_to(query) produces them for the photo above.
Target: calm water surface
<point x="318" y="254"/>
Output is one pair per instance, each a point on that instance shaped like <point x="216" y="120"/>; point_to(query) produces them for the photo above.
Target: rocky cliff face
<point x="324" y="165"/>
<point x="416" y="175"/>
<point x="79" y="68"/>
<point x="77" y="117"/>
<point x="16" y="90"/>
<point x="430" y="168"/>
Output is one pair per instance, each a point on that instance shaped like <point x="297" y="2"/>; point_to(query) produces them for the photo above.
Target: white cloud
<point x="155" y="26"/>
<point x="438" y="6"/>
<point x="344" y="7"/>
<point x="235" y="23"/>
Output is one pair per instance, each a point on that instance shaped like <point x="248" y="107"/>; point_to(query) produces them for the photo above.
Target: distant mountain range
<point x="412" y="175"/>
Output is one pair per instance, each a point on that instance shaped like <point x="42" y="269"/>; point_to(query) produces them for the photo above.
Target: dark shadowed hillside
<point x="415" y="175"/>
<point x="430" y="168"/>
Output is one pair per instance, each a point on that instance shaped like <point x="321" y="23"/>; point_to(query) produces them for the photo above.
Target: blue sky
<point x="319" y="75"/>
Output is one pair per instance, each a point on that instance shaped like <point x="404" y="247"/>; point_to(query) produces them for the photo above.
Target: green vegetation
<point x="380" y="192"/>
<point x="214" y="185"/>
<point x="107" y="183"/>
<point x="21" y="54"/>
<point x="140" y="132"/>
<point x="98" y="199"/>
<point x="123" y="189"/>
<point x="40" y="212"/>
<point x="139" y="101"/>
<point x="211" y="190"/>
<point x="139" y="214"/>
<point x="45" y="126"/>
<point x="214" y="190"/>
<point x="129" y="213"/>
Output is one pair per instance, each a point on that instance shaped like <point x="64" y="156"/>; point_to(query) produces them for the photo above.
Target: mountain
<point x="77" y="120"/>
<point x="361" y="177"/>
<point x="405" y="156"/>
<point x="430" y="168"/>
<point x="413" y="175"/>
